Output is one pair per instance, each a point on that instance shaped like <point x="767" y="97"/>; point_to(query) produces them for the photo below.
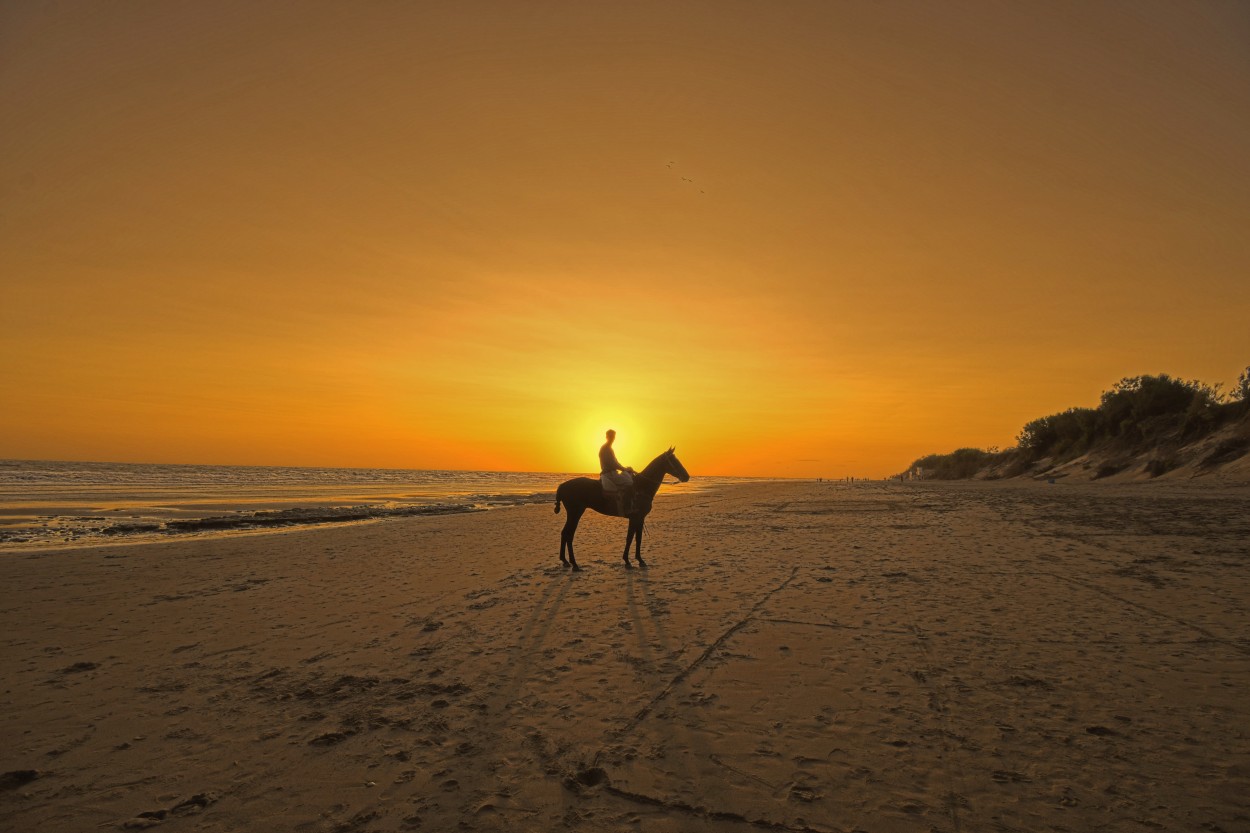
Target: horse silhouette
<point x="582" y="493"/>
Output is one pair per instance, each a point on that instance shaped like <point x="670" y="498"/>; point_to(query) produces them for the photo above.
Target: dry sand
<point x="798" y="656"/>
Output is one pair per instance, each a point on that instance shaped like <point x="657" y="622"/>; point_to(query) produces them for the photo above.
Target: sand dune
<point x="802" y="656"/>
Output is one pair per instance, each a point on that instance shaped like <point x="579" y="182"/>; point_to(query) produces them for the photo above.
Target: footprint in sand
<point x="804" y="793"/>
<point x="1101" y="731"/>
<point x="330" y="738"/>
<point x="191" y="806"/>
<point x="1004" y="776"/>
<point x="18" y="778"/>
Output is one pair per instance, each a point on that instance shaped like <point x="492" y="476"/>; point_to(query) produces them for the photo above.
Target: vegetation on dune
<point x="1139" y="415"/>
<point x="960" y="464"/>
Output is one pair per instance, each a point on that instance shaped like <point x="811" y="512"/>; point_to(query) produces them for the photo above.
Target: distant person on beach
<point x="615" y="477"/>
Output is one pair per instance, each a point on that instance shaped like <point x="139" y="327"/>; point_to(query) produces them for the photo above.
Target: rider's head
<point x="611" y="435"/>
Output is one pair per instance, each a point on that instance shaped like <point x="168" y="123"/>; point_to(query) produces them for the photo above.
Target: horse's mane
<point x="655" y="469"/>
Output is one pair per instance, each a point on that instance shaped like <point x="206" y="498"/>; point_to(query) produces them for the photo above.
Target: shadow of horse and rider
<point x="631" y="501"/>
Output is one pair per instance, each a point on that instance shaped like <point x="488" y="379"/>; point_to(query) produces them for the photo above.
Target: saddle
<point x="619" y="500"/>
<point x="625" y="502"/>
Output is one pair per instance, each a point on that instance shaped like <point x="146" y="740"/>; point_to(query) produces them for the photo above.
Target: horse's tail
<point x="558" y="488"/>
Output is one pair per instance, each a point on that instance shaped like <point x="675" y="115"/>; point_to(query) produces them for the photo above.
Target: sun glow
<point x="634" y="440"/>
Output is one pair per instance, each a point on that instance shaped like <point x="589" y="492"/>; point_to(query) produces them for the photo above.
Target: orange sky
<point x="802" y="239"/>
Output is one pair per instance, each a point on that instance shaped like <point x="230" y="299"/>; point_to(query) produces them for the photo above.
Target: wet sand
<point x="798" y="656"/>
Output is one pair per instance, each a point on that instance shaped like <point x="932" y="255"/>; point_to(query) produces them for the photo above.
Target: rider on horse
<point x="617" y="480"/>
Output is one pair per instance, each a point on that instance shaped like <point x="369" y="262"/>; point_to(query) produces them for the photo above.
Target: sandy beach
<point x="798" y="656"/>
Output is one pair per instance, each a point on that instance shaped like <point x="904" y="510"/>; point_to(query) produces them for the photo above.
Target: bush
<point x="1241" y="392"/>
<point x="1072" y="430"/>
<point x="1142" y="408"/>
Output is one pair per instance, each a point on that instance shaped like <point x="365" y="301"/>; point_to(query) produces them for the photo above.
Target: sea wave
<point x="67" y="503"/>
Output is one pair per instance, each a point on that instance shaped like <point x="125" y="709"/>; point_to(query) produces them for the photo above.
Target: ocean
<point x="57" y="504"/>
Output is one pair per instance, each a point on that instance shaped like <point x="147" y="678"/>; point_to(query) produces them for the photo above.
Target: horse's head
<point x="674" y="467"/>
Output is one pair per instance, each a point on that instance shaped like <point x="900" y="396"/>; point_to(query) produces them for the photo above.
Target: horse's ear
<point x="671" y="449"/>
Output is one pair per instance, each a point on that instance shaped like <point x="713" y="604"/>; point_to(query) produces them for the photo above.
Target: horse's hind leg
<point x="566" y="539"/>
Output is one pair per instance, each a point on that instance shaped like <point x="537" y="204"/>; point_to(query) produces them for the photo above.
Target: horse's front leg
<point x="629" y="539"/>
<point x="638" y="545"/>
